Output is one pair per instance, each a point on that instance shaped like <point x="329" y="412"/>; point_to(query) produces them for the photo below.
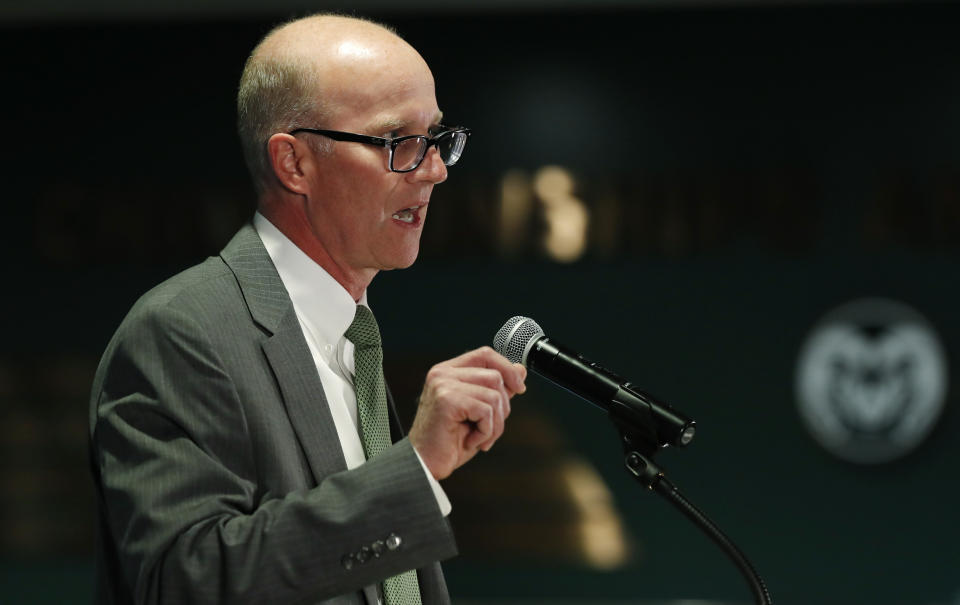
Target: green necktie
<point x="371" y="391"/>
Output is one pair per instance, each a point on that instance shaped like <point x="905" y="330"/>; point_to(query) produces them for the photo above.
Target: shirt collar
<point x="317" y="297"/>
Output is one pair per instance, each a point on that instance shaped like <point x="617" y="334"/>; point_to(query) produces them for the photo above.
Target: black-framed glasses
<point x="407" y="152"/>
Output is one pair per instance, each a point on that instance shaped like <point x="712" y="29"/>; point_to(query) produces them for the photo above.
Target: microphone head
<point x="515" y="338"/>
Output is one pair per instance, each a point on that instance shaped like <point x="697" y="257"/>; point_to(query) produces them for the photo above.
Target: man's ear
<point x="290" y="159"/>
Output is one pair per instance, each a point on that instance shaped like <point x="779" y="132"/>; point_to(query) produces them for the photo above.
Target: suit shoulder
<point x="194" y="301"/>
<point x="196" y="291"/>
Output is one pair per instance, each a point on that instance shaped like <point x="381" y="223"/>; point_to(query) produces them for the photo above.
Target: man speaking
<point x="243" y="442"/>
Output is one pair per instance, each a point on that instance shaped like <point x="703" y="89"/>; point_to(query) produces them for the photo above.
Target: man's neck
<point x="298" y="231"/>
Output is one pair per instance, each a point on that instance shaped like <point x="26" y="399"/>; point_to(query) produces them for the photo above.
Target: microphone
<point x="522" y="341"/>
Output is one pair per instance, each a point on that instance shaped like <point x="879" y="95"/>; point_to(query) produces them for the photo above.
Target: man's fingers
<point x="484" y="377"/>
<point x="484" y="432"/>
<point x="487" y="385"/>
<point x="517" y="382"/>
<point x="513" y="374"/>
<point x="463" y="408"/>
<point x="485" y="409"/>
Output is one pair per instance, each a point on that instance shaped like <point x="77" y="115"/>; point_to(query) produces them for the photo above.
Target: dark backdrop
<point x="745" y="171"/>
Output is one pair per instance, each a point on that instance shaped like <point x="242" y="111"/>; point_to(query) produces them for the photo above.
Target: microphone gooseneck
<point x="645" y="424"/>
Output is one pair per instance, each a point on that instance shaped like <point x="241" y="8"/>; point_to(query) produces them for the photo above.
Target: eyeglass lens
<point x="408" y="153"/>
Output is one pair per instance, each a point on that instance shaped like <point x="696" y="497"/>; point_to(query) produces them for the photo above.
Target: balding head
<point x="303" y="73"/>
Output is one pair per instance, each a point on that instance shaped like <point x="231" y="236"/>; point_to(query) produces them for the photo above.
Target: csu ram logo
<point x="871" y="381"/>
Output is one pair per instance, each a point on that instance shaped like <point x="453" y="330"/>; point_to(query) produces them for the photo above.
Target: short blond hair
<point x="278" y="92"/>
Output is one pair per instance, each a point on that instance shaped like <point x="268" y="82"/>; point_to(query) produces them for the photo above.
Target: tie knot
<point x="364" y="332"/>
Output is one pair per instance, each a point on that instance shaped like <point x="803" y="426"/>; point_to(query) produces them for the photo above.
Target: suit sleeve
<point x="175" y="468"/>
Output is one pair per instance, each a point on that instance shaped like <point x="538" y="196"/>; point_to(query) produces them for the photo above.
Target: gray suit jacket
<point x="219" y="474"/>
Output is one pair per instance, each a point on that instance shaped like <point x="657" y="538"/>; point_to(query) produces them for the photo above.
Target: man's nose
<point x="431" y="168"/>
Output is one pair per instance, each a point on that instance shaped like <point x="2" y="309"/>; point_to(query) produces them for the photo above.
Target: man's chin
<point x="409" y="263"/>
<point x="402" y="261"/>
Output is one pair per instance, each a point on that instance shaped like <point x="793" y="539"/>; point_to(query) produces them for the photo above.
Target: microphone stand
<point x="640" y="450"/>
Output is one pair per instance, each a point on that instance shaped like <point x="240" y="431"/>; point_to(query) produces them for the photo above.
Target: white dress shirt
<point x="325" y="311"/>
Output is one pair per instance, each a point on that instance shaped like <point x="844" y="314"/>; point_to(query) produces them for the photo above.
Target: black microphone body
<point x="646" y="418"/>
<point x="571" y="371"/>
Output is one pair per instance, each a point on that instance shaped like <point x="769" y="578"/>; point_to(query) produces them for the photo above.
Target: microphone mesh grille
<point x="512" y="339"/>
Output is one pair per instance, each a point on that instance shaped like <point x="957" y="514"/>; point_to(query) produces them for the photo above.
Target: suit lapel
<point x="303" y="396"/>
<point x="262" y="289"/>
<point x="286" y="352"/>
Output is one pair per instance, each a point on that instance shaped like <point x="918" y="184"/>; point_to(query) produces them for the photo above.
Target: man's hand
<point x="463" y="406"/>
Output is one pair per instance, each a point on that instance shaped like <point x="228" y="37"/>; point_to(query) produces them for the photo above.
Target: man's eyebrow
<point x="399" y="124"/>
<point x="389" y="124"/>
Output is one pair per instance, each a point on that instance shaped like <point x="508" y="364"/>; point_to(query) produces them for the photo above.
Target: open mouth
<point x="410" y="216"/>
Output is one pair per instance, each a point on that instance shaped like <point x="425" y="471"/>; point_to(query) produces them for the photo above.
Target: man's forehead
<point x="338" y="48"/>
<point x="354" y="49"/>
<point x="366" y="76"/>
<point x="330" y="31"/>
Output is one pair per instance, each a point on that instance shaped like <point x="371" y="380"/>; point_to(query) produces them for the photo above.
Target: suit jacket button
<point x="393" y="541"/>
<point x="378" y="547"/>
<point x="364" y="555"/>
<point x="347" y="562"/>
